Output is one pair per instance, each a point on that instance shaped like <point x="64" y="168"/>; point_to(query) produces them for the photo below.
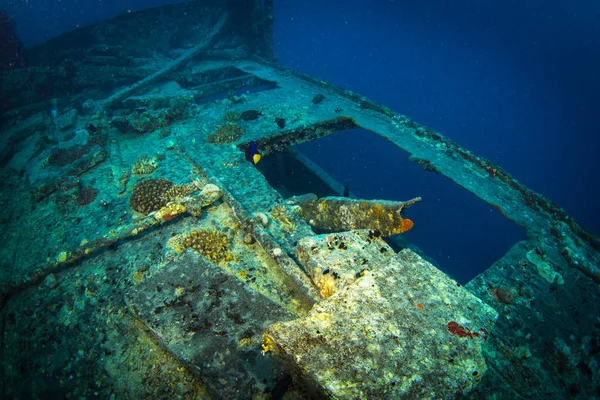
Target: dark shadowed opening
<point x="290" y="177"/>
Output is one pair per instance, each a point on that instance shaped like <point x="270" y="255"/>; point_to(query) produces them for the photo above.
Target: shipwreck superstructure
<point x="144" y="256"/>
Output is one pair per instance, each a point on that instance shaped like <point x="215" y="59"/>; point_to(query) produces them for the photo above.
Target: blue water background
<point x="516" y="82"/>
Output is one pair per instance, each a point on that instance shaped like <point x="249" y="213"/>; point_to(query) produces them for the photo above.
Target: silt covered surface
<point x="398" y="328"/>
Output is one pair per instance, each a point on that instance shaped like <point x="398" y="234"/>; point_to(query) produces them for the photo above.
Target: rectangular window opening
<point x="456" y="231"/>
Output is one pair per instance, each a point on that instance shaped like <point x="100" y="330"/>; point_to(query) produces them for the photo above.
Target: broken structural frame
<point x="435" y="153"/>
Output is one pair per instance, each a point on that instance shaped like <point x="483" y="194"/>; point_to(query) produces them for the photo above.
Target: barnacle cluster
<point x="149" y="195"/>
<point x="144" y="165"/>
<point x="226" y="133"/>
<point x="210" y="243"/>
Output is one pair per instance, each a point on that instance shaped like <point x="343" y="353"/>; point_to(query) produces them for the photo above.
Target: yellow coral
<point x="144" y="165"/>
<point x="176" y="243"/>
<point x="245" y="343"/>
<point x="326" y="285"/>
<point x="169" y="211"/>
<point x="268" y="344"/>
<point x="279" y="213"/>
<point x="211" y="244"/>
<point x="62" y="257"/>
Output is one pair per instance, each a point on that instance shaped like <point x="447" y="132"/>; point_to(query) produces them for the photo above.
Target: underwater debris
<point x="199" y="311"/>
<point x="138" y="226"/>
<point x="212" y="244"/>
<point x="78" y="168"/>
<point x="343" y="214"/>
<point x="146" y="122"/>
<point x="148" y="195"/>
<point x="242" y="199"/>
<point x="227" y="133"/>
<point x="61" y="157"/>
<point x="178" y="194"/>
<point x="144" y="165"/>
<point x="186" y="56"/>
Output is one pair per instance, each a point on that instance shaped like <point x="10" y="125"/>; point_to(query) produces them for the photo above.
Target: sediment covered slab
<point x="402" y="329"/>
<point x="212" y="322"/>
<point x="337" y="260"/>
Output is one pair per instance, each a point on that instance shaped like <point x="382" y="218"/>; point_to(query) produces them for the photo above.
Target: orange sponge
<point x="407" y="225"/>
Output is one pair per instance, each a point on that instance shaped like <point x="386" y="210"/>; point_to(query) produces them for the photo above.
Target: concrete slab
<point x="212" y="322"/>
<point x="402" y="329"/>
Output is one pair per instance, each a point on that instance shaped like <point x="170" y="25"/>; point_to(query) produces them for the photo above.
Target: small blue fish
<point x="252" y="153"/>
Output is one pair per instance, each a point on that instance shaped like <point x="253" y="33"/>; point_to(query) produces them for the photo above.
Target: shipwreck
<point x="144" y="256"/>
